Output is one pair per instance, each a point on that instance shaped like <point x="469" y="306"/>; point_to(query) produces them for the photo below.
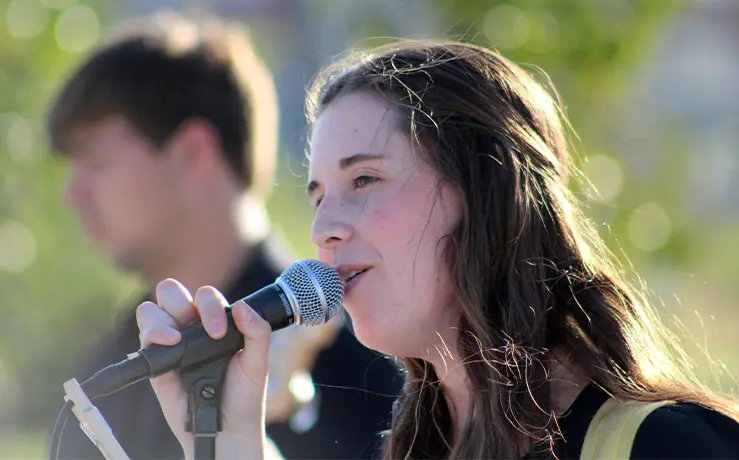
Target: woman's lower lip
<point x="353" y="282"/>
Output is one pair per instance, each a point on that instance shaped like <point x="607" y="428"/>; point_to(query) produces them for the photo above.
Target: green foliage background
<point x="590" y="49"/>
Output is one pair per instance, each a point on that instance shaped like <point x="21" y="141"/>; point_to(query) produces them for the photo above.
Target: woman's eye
<point x="358" y="182"/>
<point x="363" y="181"/>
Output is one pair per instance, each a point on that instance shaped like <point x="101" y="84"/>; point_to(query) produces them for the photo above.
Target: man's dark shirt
<point x="676" y="431"/>
<point x="355" y="388"/>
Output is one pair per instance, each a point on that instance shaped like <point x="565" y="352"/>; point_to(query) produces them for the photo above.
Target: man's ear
<point x="196" y="149"/>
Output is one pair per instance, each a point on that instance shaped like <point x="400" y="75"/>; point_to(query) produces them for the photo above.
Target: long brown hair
<point x="530" y="273"/>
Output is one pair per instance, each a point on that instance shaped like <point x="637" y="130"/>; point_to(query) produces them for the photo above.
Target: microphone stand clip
<point x="204" y="384"/>
<point x="92" y="422"/>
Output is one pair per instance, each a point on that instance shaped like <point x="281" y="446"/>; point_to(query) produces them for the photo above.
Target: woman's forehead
<point x="355" y="124"/>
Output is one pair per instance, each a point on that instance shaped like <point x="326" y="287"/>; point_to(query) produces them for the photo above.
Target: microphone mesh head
<point x="317" y="288"/>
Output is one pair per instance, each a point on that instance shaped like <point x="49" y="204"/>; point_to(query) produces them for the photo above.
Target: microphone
<point x="308" y="293"/>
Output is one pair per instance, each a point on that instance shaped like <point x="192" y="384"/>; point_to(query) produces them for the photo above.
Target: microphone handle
<point x="195" y="347"/>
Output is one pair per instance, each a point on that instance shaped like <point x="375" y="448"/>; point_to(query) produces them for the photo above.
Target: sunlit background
<point x="651" y="87"/>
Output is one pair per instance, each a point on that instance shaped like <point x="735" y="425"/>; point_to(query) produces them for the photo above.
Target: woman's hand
<point x="242" y="405"/>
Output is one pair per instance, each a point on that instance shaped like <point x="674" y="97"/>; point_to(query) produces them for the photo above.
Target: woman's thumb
<point x="254" y="358"/>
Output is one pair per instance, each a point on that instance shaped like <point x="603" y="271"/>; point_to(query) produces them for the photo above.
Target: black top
<point x="676" y="431"/>
<point x="355" y="389"/>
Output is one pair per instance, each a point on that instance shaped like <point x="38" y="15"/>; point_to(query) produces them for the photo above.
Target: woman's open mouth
<point x="353" y="276"/>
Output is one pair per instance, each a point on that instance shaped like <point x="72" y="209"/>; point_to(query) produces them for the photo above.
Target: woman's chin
<point x="381" y="338"/>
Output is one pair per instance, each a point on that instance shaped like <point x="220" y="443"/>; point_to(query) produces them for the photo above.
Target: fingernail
<point x="170" y="334"/>
<point x="245" y="311"/>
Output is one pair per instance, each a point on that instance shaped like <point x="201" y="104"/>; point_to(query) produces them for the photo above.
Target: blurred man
<point x="170" y="130"/>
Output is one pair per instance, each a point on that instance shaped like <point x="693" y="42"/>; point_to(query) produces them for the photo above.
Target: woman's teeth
<point x="351" y="275"/>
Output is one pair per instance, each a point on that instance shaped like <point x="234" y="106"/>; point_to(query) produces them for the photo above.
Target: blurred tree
<point x="46" y="267"/>
<point x="587" y="48"/>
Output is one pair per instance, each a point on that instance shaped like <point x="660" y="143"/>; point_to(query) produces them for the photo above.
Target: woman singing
<point x="438" y="173"/>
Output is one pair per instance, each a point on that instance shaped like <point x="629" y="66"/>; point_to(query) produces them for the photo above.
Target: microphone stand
<point x="203" y="383"/>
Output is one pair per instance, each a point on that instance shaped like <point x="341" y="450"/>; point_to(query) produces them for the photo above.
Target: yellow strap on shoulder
<point x="613" y="429"/>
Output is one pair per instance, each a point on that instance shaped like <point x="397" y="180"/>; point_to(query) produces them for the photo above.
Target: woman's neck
<point x="566" y="384"/>
<point x="455" y="386"/>
<point x="452" y="374"/>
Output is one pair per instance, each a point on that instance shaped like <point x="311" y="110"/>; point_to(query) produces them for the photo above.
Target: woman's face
<point x="381" y="219"/>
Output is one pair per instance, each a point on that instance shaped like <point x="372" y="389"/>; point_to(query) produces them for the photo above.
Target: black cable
<point x="205" y="448"/>
<point x="56" y="435"/>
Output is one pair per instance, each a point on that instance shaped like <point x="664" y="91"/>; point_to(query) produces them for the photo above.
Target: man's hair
<point x="161" y="72"/>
